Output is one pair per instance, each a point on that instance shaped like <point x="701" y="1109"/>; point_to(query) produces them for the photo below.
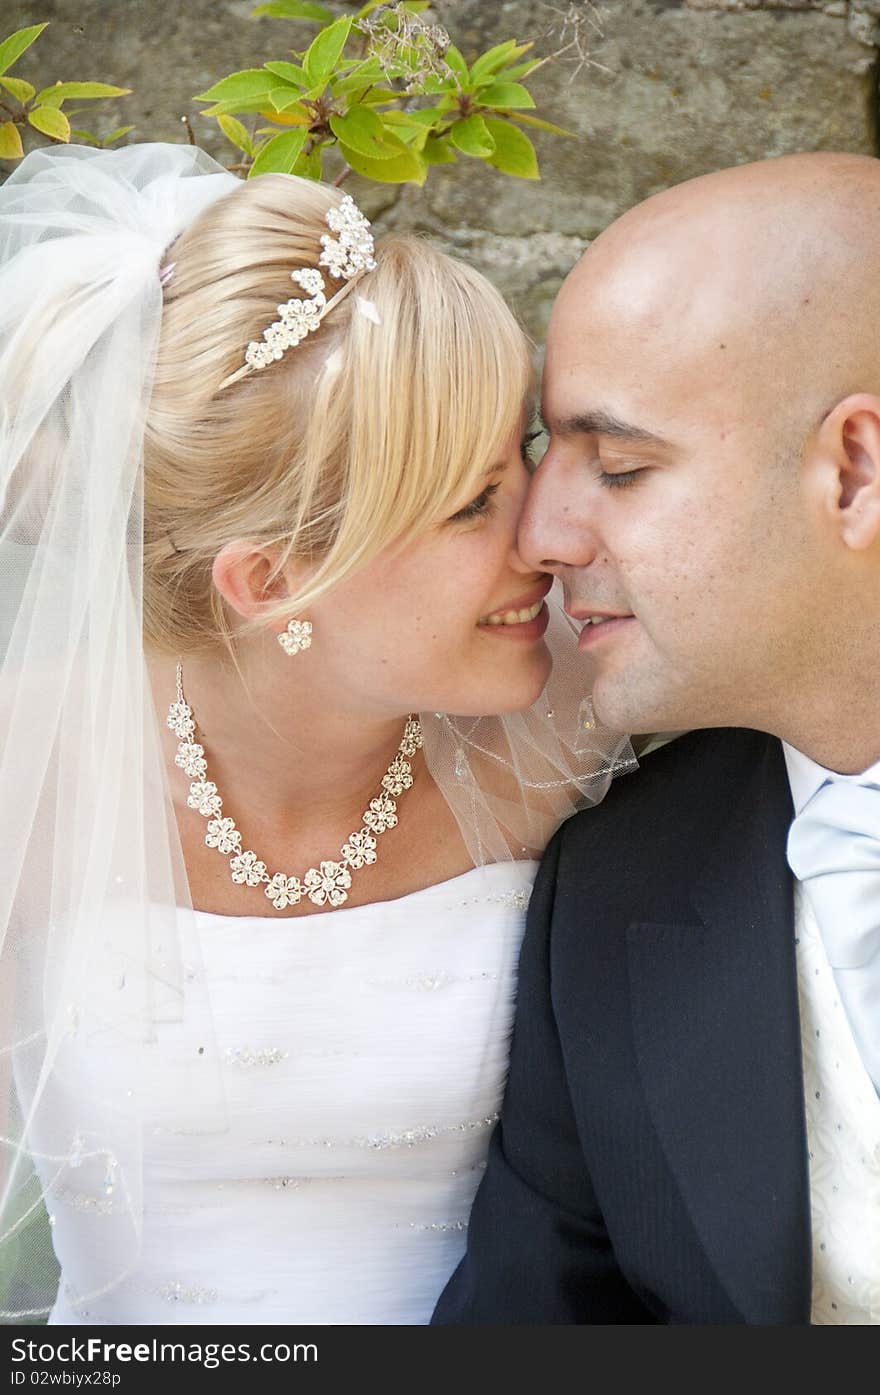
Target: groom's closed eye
<point x="618" y="479"/>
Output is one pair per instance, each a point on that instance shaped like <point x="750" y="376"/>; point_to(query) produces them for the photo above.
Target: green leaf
<point x="280" y="154"/>
<point x="472" y="137"/>
<point x="294" y="115"/>
<point x="289" y="99"/>
<point x="22" y="91"/>
<point x="376" y="96"/>
<point x="268" y="102"/>
<point x="361" y="130"/>
<point x="506" y="95"/>
<point x="287" y="96"/>
<point x="244" y="86"/>
<point x="116" y="135"/>
<point x="403" y="124"/>
<point x="443" y="112"/>
<point x="82" y="91"/>
<point x="494" y="59"/>
<point x="403" y="169"/>
<point x="424" y="116"/>
<point x="437" y="151"/>
<point x="359" y="77"/>
<point x="12" y="48"/>
<point x="414" y="7"/>
<point x="520" y="70"/>
<point x="542" y="125"/>
<point x="290" y="72"/>
<point x="514" y="152"/>
<point x="242" y="106"/>
<point x="11" y="147"/>
<point x="354" y="90"/>
<point x="51" y="122"/>
<point x="294" y="9"/>
<point x="325" y="50"/>
<point x="238" y="134"/>
<point x="86" y="137"/>
<point x="309" y="166"/>
<point x="458" y="65"/>
<point x="368" y="67"/>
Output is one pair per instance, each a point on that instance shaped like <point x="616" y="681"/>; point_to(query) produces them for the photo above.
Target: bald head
<point x="712" y="390"/>
<point x="768" y="273"/>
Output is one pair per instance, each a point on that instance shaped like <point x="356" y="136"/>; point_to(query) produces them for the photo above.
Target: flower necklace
<point x="325" y="884"/>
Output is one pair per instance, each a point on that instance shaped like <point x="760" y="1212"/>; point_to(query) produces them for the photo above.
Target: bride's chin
<point x="522" y="689"/>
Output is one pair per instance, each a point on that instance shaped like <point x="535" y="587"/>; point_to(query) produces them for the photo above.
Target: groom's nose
<point x="555" y="531"/>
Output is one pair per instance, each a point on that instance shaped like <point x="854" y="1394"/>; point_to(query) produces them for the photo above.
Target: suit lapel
<point x="716" y="1026"/>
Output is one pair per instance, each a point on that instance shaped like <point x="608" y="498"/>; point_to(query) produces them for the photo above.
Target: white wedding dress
<point x="364" y="1054"/>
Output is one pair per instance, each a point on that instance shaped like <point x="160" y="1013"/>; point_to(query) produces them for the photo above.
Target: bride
<point x="262" y="891"/>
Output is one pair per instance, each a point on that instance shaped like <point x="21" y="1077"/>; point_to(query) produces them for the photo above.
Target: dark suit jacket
<point x="651" y="1162"/>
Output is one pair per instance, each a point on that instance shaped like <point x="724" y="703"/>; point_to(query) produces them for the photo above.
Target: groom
<point x="691" y="1130"/>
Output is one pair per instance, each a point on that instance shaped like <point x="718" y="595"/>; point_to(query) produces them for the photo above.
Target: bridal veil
<point x="97" y="936"/>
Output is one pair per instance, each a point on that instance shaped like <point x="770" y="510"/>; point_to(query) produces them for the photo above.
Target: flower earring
<point x="297" y="636"/>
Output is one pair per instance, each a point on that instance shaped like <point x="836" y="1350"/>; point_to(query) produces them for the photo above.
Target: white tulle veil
<point x="97" y="936"/>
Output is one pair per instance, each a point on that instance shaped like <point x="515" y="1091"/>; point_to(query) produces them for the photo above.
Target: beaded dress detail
<point x="364" y="1055"/>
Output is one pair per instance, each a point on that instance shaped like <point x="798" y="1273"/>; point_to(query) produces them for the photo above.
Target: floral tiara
<point x="346" y="257"/>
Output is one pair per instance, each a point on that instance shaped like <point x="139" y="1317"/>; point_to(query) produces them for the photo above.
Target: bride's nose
<point x="518" y="562"/>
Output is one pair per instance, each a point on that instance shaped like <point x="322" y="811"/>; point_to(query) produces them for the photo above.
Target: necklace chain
<point x="326" y="884"/>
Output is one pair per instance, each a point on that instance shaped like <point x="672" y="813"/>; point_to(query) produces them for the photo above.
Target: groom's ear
<point x="848" y="449"/>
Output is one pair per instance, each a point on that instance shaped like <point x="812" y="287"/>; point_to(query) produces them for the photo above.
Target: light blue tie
<point x="834" y="849"/>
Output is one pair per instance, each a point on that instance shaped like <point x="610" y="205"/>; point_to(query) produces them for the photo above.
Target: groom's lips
<point x="599" y="624"/>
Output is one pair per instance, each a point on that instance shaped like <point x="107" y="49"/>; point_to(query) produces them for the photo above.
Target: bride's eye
<point x="477" y="507"/>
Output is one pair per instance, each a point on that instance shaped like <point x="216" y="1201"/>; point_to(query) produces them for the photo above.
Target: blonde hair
<point x="360" y="436"/>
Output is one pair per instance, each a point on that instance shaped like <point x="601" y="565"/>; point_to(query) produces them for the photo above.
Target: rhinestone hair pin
<point x="346" y="256"/>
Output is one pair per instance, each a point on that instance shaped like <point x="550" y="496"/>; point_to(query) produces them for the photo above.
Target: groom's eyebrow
<point x="601" y="423"/>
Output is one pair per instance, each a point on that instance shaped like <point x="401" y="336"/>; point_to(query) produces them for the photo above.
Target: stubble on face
<point x="706" y="318"/>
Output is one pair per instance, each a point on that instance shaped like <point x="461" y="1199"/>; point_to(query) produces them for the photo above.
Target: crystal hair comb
<point x="346" y="256"/>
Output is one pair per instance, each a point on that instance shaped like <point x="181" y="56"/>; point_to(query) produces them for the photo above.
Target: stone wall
<point x="672" y="88"/>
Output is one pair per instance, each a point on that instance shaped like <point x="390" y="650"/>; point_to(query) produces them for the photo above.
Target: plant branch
<point x="575" y="19"/>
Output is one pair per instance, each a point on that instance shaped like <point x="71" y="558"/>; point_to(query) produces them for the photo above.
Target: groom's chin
<point x="613" y="705"/>
<point x="621" y="703"/>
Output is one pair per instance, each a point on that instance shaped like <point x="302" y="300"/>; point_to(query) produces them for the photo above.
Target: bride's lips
<point x="599" y="625"/>
<point x="524" y="618"/>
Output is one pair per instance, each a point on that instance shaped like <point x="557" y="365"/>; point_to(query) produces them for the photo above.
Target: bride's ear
<point x="243" y="573"/>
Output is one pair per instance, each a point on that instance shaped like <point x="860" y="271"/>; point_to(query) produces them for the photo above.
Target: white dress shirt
<point x="842" y="1109"/>
<point x="806" y="776"/>
<point x="835" y="848"/>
